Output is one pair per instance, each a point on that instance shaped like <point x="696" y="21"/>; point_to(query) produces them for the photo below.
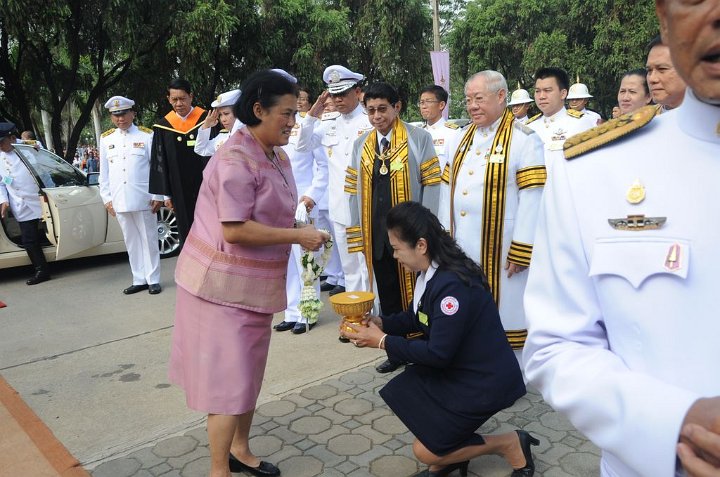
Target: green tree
<point x="596" y="41"/>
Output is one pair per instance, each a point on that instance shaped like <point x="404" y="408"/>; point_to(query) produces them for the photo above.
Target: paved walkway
<point x="342" y="427"/>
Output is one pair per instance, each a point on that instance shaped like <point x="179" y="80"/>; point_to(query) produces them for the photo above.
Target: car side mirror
<point x="92" y="179"/>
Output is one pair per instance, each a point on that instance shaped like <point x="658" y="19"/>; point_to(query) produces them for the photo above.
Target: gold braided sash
<point x="397" y="159"/>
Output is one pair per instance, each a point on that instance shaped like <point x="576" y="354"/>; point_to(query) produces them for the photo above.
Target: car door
<point x="73" y="212"/>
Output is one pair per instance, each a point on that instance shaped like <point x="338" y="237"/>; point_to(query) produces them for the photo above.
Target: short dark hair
<point x="559" y="74"/>
<point x="307" y="90"/>
<point x="438" y="91"/>
<point x="381" y="90"/>
<point x="641" y="72"/>
<point x="656" y="41"/>
<point x="264" y="87"/>
<point x="179" y="83"/>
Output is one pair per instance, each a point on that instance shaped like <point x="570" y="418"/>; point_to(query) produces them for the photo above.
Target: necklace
<point x="273" y="160"/>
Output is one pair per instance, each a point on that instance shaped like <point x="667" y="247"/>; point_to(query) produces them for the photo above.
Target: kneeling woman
<point x="464" y="369"/>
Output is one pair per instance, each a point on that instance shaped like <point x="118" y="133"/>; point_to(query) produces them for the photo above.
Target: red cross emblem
<point x="449" y="305"/>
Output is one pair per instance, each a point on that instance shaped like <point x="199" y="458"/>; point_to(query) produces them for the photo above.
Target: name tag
<point x="496" y="158"/>
<point x="422" y="318"/>
<point x="7" y="180"/>
<point x="139" y="145"/>
<point x="111" y="146"/>
<point x="439" y="141"/>
<point x="191" y="143"/>
<point x="556" y="145"/>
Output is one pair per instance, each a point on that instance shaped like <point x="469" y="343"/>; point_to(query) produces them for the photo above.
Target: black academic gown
<point x="463" y="370"/>
<point x="175" y="169"/>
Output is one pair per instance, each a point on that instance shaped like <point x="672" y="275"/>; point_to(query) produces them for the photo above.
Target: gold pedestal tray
<point x="352" y="306"/>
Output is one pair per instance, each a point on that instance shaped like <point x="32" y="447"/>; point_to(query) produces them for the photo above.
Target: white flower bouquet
<point x="310" y="304"/>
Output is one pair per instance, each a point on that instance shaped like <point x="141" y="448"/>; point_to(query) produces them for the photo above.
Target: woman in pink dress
<point x="231" y="272"/>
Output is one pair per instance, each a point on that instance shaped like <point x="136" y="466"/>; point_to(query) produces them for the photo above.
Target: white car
<point x="74" y="219"/>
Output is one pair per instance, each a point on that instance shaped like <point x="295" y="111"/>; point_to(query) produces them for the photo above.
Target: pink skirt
<point x="218" y="354"/>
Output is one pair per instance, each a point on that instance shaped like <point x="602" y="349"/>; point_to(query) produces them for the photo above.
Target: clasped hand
<point x="367" y="334"/>
<point x="312" y="238"/>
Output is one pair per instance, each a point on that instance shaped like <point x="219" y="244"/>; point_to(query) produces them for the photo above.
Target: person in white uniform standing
<point x="124" y="173"/>
<point x="520" y="102"/>
<point x="556" y="123"/>
<point x="491" y="194"/>
<point x="19" y="192"/>
<point x="222" y="112"/>
<point x="337" y="136"/>
<point x="578" y="98"/>
<point x="432" y="103"/>
<point x="310" y="171"/>
<point x="621" y="299"/>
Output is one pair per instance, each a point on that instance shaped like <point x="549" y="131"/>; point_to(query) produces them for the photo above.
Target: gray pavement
<point x="341" y="427"/>
<point x="92" y="364"/>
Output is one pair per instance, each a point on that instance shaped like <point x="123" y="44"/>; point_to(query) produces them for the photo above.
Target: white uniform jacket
<point x="125" y="168"/>
<point x="19" y="188"/>
<point x="522" y="192"/>
<point x="555" y="129"/>
<point x="623" y="324"/>
<point x="310" y="168"/>
<point x="337" y="137"/>
<point x="204" y="146"/>
<point x="442" y="133"/>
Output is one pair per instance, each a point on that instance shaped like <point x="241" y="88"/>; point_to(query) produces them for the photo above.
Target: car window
<point x="52" y="170"/>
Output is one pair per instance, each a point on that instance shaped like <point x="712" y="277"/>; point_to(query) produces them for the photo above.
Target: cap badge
<point x="636" y="192"/>
<point x="334" y="76"/>
<point x="219" y="98"/>
<point x="116" y="103"/>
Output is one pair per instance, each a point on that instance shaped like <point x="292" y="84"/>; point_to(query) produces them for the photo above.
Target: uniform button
<point x="124" y="182"/>
<point x="471" y="172"/>
<point x="465" y="192"/>
<point x="462" y="213"/>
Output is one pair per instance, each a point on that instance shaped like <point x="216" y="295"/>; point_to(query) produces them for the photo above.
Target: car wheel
<point x="168" y="235"/>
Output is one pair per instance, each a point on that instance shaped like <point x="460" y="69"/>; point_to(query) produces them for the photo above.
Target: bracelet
<point x="381" y="343"/>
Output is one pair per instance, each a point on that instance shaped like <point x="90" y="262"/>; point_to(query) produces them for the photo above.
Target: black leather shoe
<point x="154" y="289"/>
<point x="39" y="277"/>
<point x="284" y="326"/>
<point x="387" y="367"/>
<point x="526" y="440"/>
<point x="299" y="328"/>
<point x="263" y="469"/>
<point x="337" y="289"/>
<point x="135" y="289"/>
<point x="447" y="470"/>
<point x="325" y="286"/>
<point x="343" y="339"/>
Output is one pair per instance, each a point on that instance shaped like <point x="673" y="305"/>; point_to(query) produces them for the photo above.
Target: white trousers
<point x="353" y="264"/>
<point x="333" y="269"/>
<point x="294" y="285"/>
<point x="141" y="239"/>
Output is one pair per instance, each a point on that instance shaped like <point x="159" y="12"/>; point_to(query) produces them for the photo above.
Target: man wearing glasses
<point x="336" y="135"/>
<point x="433" y="100"/>
<point x="491" y="193"/>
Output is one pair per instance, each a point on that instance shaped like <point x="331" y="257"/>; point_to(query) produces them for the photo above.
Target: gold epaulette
<point x="537" y="116"/>
<point x="29" y="142"/>
<point x="223" y="131"/>
<point x="145" y="130"/>
<point x="608" y="132"/>
<point x="108" y="132"/>
<point x="575" y="114"/>
<point x="452" y="125"/>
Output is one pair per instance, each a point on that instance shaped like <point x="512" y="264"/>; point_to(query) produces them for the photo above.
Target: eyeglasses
<point x="379" y="110"/>
<point x="423" y="102"/>
<point x="477" y="100"/>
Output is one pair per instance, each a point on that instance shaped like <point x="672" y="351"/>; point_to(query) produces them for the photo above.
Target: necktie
<point x="385" y="144"/>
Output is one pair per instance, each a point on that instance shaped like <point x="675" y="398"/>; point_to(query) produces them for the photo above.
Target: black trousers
<point x="386" y="275"/>
<point x="31" y="242"/>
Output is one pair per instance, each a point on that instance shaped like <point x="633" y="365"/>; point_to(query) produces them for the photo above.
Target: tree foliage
<point x="595" y="41"/>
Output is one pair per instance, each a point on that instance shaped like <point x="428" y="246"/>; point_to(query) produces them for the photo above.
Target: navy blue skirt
<point x="417" y="400"/>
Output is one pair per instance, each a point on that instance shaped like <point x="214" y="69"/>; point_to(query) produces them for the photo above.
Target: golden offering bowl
<point x="352" y="306"/>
